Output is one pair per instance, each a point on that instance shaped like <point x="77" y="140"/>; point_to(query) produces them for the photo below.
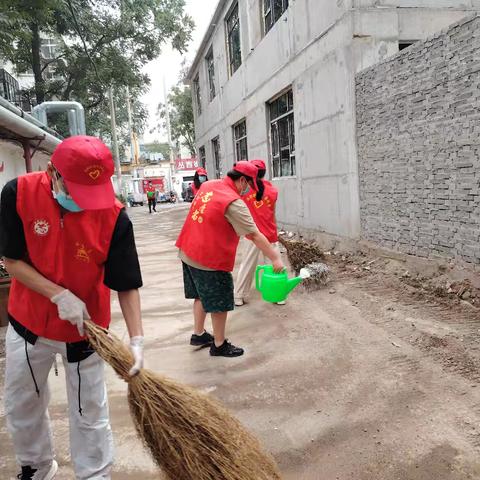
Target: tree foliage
<point x="181" y="117"/>
<point x="102" y="43"/>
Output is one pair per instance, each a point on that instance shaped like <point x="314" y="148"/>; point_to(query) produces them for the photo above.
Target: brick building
<point x="276" y="80"/>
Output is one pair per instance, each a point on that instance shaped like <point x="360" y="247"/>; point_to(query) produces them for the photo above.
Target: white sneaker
<point x="45" y="472"/>
<point x="239" y="302"/>
<point x="282" y="303"/>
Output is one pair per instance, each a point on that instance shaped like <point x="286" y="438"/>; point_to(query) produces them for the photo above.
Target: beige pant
<point x="252" y="257"/>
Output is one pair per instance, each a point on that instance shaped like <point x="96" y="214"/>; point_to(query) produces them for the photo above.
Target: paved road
<point x="330" y="382"/>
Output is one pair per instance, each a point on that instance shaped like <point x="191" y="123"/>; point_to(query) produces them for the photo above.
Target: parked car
<point x="135" y="199"/>
<point x="162" y="197"/>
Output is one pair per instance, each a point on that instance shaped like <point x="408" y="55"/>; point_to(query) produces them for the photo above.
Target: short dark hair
<point x="234" y="175"/>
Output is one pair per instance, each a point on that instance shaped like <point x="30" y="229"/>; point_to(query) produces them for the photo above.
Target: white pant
<point x="91" y="443"/>
<point x="250" y="259"/>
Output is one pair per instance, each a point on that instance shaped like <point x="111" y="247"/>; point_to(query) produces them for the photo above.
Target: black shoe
<point x="202" y="340"/>
<point x="27" y="473"/>
<point x="44" y="472"/>
<point x="225" y="350"/>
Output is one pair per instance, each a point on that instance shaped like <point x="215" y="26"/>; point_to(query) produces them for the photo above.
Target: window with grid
<point x="272" y="11"/>
<point x="210" y="73"/>
<point x="216" y="157"/>
<point x="197" y="93"/>
<point x="282" y="135"/>
<point x="240" y="140"/>
<point x="48" y="50"/>
<point x="233" y="40"/>
<point x="203" y="157"/>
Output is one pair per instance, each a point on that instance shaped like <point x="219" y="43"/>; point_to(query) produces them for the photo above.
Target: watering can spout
<point x="293" y="282"/>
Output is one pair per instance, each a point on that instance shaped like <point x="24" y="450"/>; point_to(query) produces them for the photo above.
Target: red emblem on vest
<point x="41" y="227"/>
<point x="82" y="253"/>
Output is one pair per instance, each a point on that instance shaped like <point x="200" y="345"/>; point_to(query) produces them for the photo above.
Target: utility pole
<point x="169" y="133"/>
<point x="130" y="128"/>
<point x="167" y="119"/>
<point x="116" y="155"/>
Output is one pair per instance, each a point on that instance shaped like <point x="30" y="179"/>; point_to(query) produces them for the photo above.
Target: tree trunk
<point x="191" y="145"/>
<point x="36" y="64"/>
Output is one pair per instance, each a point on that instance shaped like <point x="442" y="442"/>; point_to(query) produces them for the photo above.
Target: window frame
<point x="271" y="10"/>
<point x="237" y="141"/>
<point x="210" y="69"/>
<point x="282" y="120"/>
<point x="197" y="93"/>
<point x="216" y="157"/>
<point x="232" y="68"/>
<point x="202" y="156"/>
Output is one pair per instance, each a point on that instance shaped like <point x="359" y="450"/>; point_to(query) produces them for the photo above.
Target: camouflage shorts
<point x="213" y="288"/>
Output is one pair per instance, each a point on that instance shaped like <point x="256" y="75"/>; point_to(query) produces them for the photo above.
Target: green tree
<point x="102" y="43"/>
<point x="181" y="116"/>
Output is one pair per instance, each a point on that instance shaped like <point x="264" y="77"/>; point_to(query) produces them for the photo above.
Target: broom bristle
<point x="190" y="436"/>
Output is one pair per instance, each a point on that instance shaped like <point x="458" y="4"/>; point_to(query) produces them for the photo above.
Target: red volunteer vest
<point x="70" y="251"/>
<point x="263" y="212"/>
<point x="207" y="237"/>
<point x="194" y="189"/>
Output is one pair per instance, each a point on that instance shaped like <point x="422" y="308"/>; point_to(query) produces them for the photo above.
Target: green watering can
<point x="274" y="287"/>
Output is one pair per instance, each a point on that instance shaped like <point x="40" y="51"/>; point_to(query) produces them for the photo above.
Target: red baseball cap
<point x="260" y="164"/>
<point x="201" y="171"/>
<point x="86" y="166"/>
<point x="248" y="169"/>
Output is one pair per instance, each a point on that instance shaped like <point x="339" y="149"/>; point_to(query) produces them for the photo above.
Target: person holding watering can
<point x="208" y="244"/>
<point x="262" y="207"/>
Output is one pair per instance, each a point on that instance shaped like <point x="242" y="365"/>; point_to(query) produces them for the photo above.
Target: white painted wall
<point x="11" y="156"/>
<point x="316" y="47"/>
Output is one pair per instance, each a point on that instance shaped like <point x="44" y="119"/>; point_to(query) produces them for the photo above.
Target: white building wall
<point x="12" y="162"/>
<point x="316" y="47"/>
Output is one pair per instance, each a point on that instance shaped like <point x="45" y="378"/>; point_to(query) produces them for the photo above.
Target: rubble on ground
<point x="439" y="282"/>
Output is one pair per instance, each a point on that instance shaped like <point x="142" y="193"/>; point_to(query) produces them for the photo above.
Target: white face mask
<point x="63" y="199"/>
<point x="245" y="190"/>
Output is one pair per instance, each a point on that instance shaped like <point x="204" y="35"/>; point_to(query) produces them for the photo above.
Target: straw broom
<point x="189" y="435"/>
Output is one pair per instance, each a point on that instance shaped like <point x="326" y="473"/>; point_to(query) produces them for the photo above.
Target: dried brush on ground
<point x="301" y="253"/>
<point x="189" y="435"/>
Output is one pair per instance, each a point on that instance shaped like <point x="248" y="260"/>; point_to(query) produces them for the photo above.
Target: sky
<point x="168" y="65"/>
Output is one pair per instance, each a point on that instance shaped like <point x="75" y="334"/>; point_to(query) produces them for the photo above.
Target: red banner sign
<point x="186" y="163"/>
<point x="158" y="183"/>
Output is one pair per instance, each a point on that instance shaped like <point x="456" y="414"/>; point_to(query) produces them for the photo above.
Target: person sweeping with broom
<point x="208" y="243"/>
<point x="66" y="243"/>
<point x="262" y="207"/>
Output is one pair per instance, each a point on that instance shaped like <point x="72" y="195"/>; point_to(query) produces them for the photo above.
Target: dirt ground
<point x="373" y="377"/>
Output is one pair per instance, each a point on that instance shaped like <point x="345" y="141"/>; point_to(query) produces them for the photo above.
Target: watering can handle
<point x="257" y="275"/>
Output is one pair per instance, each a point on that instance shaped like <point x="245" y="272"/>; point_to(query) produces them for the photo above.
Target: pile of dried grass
<point x="301" y="253"/>
<point x="307" y="255"/>
<point x="190" y="436"/>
